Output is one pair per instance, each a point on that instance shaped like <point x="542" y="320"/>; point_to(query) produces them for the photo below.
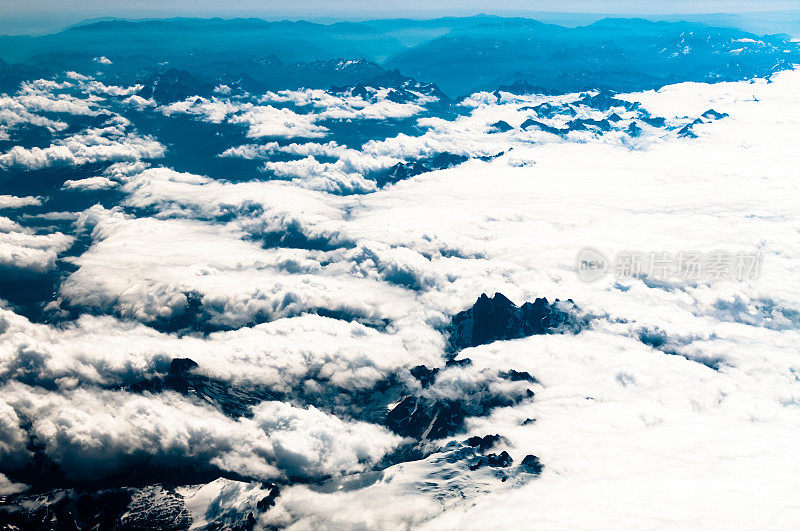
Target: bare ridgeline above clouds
<point x="259" y="275"/>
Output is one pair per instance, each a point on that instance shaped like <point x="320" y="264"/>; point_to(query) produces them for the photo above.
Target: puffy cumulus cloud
<point x="284" y="122"/>
<point x="8" y="487"/>
<point x="214" y="110"/>
<point x="329" y="177"/>
<point x="276" y="205"/>
<point x="36" y="158"/>
<point x="237" y="279"/>
<point x="12" y="201"/>
<point x="13" y="114"/>
<point x="23" y="250"/>
<point x="309" y="442"/>
<point x="43" y="85"/>
<point x="264" y="151"/>
<point x="109" y="143"/>
<point x="349" y="160"/>
<point x="345" y="106"/>
<point x="274" y="208"/>
<point x="89" y="184"/>
<point x="91" y="434"/>
<point x="261" y="120"/>
<point x="77" y="76"/>
<point x="251" y="151"/>
<point x="13" y="440"/>
<point x="301" y="98"/>
<point x="349" y="173"/>
<point x="381" y="110"/>
<point x="95" y="86"/>
<point x="120" y="170"/>
<point x="303" y="357"/>
<point x="139" y="102"/>
<point x="36" y="99"/>
<point x="269" y="121"/>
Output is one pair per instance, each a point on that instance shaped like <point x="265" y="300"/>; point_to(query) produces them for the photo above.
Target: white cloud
<point x="92" y="433"/>
<point x="21" y="249"/>
<point x="214" y="110"/>
<point x="699" y="431"/>
<point x="238" y="280"/>
<point x="8" y="487"/>
<point x="12" y="201"/>
<point x="62" y="103"/>
<point x="77" y="76"/>
<point x="487" y="226"/>
<point x="269" y="121"/>
<point x="261" y="120"/>
<point x="329" y="177"/>
<point x="89" y="184"/>
<point x="251" y="151"/>
<point x="139" y="102"/>
<point x="14" y="113"/>
<point x="284" y="356"/>
<point x="112" y="90"/>
<point x="348" y="107"/>
<point x="109" y="143"/>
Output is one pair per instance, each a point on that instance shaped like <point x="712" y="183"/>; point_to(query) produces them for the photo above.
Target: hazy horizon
<point x="38" y="17"/>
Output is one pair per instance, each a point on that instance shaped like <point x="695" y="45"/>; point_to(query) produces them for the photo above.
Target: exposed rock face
<point x="65" y="509"/>
<point x="502" y="460"/>
<point x="228" y="504"/>
<point x="182" y="378"/>
<point x="530" y="122"/>
<point x="711" y="114"/>
<point x="497" y="318"/>
<point x="532" y="465"/>
<point x="406" y="170"/>
<point x="501" y="126"/>
<point x="423" y="418"/>
<point x="484" y="443"/>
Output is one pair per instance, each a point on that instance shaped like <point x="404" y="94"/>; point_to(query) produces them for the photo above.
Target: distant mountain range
<point x="460" y="55"/>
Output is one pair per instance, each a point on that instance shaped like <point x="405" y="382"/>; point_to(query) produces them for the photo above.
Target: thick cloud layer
<point x="313" y="294"/>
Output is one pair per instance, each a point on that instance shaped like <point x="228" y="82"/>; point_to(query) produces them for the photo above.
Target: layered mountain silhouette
<point x="469" y="54"/>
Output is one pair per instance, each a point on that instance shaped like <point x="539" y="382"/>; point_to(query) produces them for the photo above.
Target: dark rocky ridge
<point x="497" y="318"/>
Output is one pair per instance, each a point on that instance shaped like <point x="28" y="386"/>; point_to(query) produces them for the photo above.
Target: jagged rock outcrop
<point x="497" y="318"/>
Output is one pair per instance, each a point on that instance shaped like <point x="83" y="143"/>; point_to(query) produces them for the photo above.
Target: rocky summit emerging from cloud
<point x="231" y="303"/>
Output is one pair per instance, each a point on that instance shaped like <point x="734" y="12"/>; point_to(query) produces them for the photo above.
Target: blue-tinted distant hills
<point x="620" y="54"/>
<point x="168" y="38"/>
<point x="460" y="55"/>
